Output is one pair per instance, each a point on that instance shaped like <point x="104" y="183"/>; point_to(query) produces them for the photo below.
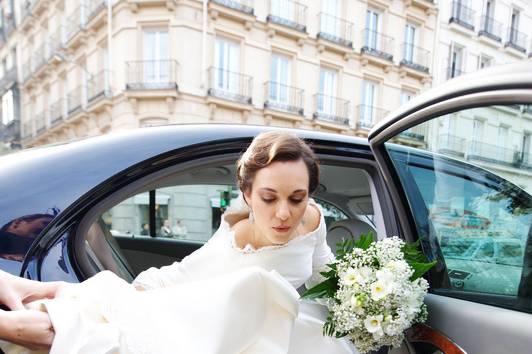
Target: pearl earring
<point x="251" y="217"/>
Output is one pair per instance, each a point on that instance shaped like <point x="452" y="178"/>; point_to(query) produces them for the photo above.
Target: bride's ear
<point x="247" y="197"/>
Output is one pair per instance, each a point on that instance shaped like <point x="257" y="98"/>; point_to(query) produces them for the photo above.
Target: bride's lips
<point x="282" y="228"/>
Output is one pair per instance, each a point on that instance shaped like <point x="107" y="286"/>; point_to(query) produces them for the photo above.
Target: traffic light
<point x="225" y="199"/>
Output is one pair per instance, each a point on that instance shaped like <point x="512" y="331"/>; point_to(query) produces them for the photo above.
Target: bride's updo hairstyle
<point x="274" y="146"/>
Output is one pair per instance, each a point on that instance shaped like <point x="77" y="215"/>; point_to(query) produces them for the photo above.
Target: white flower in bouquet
<point x="375" y="291"/>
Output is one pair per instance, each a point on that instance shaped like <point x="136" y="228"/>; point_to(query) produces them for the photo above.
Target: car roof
<point x="38" y="180"/>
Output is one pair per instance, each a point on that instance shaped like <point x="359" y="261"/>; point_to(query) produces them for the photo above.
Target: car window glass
<point x="163" y="224"/>
<point x="469" y="195"/>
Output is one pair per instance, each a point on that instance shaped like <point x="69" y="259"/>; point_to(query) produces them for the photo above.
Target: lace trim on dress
<point x="249" y="249"/>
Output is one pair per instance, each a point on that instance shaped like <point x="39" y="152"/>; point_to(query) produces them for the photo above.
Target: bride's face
<point x="278" y="198"/>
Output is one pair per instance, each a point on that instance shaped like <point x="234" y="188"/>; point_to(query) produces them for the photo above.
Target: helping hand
<point x="28" y="328"/>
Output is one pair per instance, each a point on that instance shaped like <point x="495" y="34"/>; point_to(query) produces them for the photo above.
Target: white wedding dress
<point x="220" y="299"/>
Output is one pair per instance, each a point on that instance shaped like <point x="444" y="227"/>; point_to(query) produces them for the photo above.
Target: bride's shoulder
<point x="241" y="228"/>
<point x="312" y="217"/>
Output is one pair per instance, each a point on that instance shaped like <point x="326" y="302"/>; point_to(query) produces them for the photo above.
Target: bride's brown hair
<point x="274" y="146"/>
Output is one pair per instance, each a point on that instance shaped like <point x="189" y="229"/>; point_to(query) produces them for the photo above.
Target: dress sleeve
<point x="322" y="254"/>
<point x="191" y="267"/>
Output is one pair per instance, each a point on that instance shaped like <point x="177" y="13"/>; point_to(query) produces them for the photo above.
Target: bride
<point x="236" y="294"/>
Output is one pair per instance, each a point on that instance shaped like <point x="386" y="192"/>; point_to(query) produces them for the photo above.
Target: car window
<point x="167" y="220"/>
<point x="186" y="212"/>
<point x="469" y="196"/>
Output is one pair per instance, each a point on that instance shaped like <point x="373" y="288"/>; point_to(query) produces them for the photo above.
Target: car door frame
<point x="449" y="315"/>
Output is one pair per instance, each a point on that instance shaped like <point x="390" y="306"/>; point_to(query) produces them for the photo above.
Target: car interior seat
<point x="344" y="229"/>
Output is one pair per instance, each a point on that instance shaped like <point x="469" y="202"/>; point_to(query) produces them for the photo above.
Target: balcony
<point x="280" y="97"/>
<point x="75" y="100"/>
<point x="415" y="57"/>
<point x="480" y="151"/>
<point x="98" y="86"/>
<point x="40" y="122"/>
<point x="377" y="45"/>
<point x="451" y="145"/>
<point x="335" y="30"/>
<point x="57" y="112"/>
<point x="288" y="13"/>
<point x="75" y="24"/>
<point x="9" y="78"/>
<point x="25" y="9"/>
<point x="516" y="40"/>
<point x="368" y="116"/>
<point x="230" y="85"/>
<point x="331" y="109"/>
<point x="95" y="7"/>
<point x="417" y="133"/>
<point x="462" y="15"/>
<point x="151" y="75"/>
<point x="453" y="71"/>
<point x="490" y="28"/>
<point x="38" y="58"/>
<point x="245" y="6"/>
<point x="57" y="40"/>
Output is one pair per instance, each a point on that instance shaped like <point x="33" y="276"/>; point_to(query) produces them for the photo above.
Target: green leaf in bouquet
<point x="416" y="259"/>
<point x="325" y="289"/>
<point x="347" y="245"/>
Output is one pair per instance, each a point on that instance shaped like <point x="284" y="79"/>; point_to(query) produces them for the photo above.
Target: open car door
<point x="458" y="165"/>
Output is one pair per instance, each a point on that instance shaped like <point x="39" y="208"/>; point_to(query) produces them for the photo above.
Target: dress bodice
<point x="298" y="261"/>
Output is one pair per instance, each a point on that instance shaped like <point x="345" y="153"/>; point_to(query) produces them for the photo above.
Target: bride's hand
<point x="28" y="328"/>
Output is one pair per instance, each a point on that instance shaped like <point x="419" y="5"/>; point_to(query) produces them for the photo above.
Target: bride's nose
<point x="283" y="212"/>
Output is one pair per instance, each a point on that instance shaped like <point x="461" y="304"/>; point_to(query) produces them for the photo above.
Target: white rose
<point x="373" y="324"/>
<point x="379" y="290"/>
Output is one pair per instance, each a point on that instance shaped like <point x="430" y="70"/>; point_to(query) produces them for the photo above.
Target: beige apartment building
<point x="332" y="65"/>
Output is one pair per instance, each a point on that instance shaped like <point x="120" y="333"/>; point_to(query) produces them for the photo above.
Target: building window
<point x="410" y="42"/>
<point x="8" y="108"/>
<point x="327" y="90"/>
<point x="484" y="61"/>
<point x="280" y="72"/>
<point x="368" y="99"/>
<point x="227" y="61"/>
<point x="373" y="24"/>
<point x="406" y="96"/>
<point x="456" y="61"/>
<point x="155" y="55"/>
<point x="328" y="24"/>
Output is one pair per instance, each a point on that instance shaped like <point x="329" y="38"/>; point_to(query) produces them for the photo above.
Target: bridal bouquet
<point x="374" y="291"/>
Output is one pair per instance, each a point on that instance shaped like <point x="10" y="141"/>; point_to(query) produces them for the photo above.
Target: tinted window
<point x="470" y="202"/>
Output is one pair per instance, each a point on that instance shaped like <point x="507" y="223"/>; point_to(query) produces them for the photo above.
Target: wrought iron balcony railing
<point x="230" y="85"/>
<point x="10" y="76"/>
<point x="419" y="132"/>
<point x="377" y="44"/>
<point x="75" y="22"/>
<point x="288" y="13"/>
<point x="335" y="29"/>
<point x="38" y="58"/>
<point x="40" y="122"/>
<point x="27" y="130"/>
<point x="516" y="39"/>
<point x="453" y="71"/>
<point x="25" y="9"/>
<point x="331" y="109"/>
<point x="368" y="116"/>
<point x="57" y="111"/>
<point x="415" y="57"/>
<point x="75" y="101"/>
<point x="151" y="75"/>
<point x="98" y="86"/>
<point x="490" y="28"/>
<point x="57" y="40"/>
<point x="95" y="7"/>
<point x="481" y="151"/>
<point x="245" y="6"/>
<point x="462" y="15"/>
<point x="283" y="97"/>
<point x="451" y="144"/>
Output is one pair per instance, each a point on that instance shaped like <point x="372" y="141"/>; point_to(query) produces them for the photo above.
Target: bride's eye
<point x="268" y="200"/>
<point x="296" y="201"/>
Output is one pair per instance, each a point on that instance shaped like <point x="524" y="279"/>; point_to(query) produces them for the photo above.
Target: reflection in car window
<point x="479" y="221"/>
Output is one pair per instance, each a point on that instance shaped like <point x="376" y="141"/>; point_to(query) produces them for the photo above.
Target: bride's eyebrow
<point x="266" y="189"/>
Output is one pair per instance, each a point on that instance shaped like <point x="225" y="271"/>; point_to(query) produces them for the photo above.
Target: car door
<point x="468" y="199"/>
